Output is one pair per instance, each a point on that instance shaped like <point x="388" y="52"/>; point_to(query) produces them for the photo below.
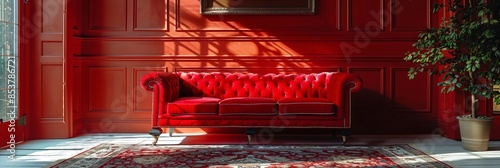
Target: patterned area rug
<point x="255" y="156"/>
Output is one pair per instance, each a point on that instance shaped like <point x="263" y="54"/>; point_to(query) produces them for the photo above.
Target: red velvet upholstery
<point x="193" y="106"/>
<point x="248" y="106"/>
<point x="306" y="106"/>
<point x="316" y="100"/>
<point x="277" y="86"/>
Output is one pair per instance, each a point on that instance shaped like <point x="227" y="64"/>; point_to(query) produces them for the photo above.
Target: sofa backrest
<point x="277" y="86"/>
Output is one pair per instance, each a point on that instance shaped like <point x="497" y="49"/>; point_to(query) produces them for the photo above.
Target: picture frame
<point x="258" y="7"/>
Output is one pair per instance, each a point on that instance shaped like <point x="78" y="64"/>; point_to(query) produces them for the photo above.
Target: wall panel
<point x="51" y="16"/>
<point x="410" y="95"/>
<point x="151" y="15"/>
<point x="108" y="15"/>
<point x="366" y="15"/>
<point x="404" y="12"/>
<point x="52" y="94"/>
<point x="372" y="96"/>
<point x="107" y="89"/>
<point x="48" y="117"/>
<point x="235" y="48"/>
<point x="50" y="48"/>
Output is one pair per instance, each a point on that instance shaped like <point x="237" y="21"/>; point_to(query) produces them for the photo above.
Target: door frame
<point x="16" y="131"/>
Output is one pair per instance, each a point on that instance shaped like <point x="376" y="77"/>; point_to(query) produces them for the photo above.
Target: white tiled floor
<point x="39" y="153"/>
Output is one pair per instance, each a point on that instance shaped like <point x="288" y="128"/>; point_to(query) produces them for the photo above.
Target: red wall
<point x="109" y="44"/>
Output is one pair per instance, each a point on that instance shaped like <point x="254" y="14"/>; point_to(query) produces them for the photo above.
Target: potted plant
<point x="465" y="51"/>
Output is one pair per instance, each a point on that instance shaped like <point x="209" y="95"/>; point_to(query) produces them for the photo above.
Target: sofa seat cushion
<point x="306" y="106"/>
<point x="193" y="105"/>
<point x="248" y="106"/>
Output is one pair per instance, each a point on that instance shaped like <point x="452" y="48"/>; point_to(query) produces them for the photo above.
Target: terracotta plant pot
<point x="475" y="133"/>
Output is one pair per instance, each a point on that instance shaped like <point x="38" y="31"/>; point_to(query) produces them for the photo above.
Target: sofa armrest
<point x="168" y="85"/>
<point x="340" y="86"/>
<point x="165" y="87"/>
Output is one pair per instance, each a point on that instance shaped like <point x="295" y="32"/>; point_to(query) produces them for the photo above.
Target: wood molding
<point x="427" y="91"/>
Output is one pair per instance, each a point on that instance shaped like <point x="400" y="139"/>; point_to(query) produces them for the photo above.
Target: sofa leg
<point x="249" y="137"/>
<point x="345" y="133"/>
<point x="171" y="131"/>
<point x="155" y="132"/>
<point x="344" y="138"/>
<point x="156" y="139"/>
<point x="250" y="132"/>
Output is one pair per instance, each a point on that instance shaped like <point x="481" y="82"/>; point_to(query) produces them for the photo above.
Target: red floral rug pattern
<point x="255" y="156"/>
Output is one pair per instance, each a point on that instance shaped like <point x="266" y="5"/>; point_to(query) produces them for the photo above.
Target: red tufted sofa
<point x="191" y="99"/>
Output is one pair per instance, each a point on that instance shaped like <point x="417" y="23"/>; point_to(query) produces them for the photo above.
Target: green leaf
<point x="497" y="99"/>
<point x="450" y="88"/>
<point x="484" y="93"/>
<point x="436" y="7"/>
<point x="443" y="90"/>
